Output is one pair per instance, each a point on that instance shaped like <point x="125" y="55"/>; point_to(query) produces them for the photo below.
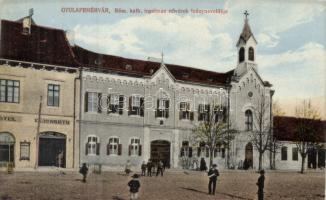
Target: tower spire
<point x="246" y="31"/>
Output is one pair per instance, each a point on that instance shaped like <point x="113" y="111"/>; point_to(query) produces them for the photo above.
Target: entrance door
<point x="160" y="150"/>
<point x="52" y="149"/>
<point x="7" y="147"/>
<point x="248" y="162"/>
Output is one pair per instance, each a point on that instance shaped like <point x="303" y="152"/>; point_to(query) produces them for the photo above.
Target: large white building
<point x="138" y="110"/>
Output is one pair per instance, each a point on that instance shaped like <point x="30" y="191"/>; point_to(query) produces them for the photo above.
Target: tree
<point x="261" y="136"/>
<point x="277" y="110"/>
<point x="307" y="125"/>
<point x="213" y="130"/>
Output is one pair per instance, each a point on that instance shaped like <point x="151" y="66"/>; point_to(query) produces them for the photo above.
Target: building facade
<point x="39" y="94"/>
<point x="138" y="110"/>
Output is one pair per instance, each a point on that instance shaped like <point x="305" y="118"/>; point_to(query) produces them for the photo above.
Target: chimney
<point x="27" y="23"/>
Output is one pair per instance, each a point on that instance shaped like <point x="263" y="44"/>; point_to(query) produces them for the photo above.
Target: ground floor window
<point x="284" y="153"/>
<point x="134" y="147"/>
<point x="24" y="150"/>
<point x="93" y="145"/>
<point x="114" y="147"/>
<point x="7" y="145"/>
<point x="295" y="153"/>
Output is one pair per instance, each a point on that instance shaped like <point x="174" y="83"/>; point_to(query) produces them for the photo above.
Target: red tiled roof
<point x="98" y="61"/>
<point x="44" y="45"/>
<point x="285" y="128"/>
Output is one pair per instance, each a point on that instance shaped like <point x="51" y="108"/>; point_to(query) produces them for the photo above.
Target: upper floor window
<point x="134" y="147"/>
<point x="203" y="112"/>
<point x="251" y="54"/>
<point x="249" y="120"/>
<point x="241" y="54"/>
<point x="136" y="105"/>
<point x="162" y="108"/>
<point x="9" y="91"/>
<point x="284" y="153"/>
<point x="185" y="112"/>
<point x="114" y="147"/>
<point x="295" y="153"/>
<point x="115" y="103"/>
<point x="53" y="95"/>
<point x="93" y="145"/>
<point x="93" y="102"/>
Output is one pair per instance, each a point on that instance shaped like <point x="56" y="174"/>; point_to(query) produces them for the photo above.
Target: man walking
<point x="149" y="168"/>
<point x="143" y="169"/>
<point x="212" y="174"/>
<point x="260" y="184"/>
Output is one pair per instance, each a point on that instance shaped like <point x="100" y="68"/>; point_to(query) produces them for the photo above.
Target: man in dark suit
<point x="260" y="184"/>
<point x="212" y="174"/>
<point x="149" y="168"/>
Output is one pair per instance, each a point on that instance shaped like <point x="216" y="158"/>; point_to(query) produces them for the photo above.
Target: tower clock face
<point x="250" y="94"/>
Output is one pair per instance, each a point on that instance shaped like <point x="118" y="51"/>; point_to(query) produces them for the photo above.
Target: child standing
<point x="83" y="170"/>
<point x="134" y="185"/>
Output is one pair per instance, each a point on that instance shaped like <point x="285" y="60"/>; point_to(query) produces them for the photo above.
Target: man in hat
<point x="134" y="186"/>
<point x="212" y="174"/>
<point x="260" y="184"/>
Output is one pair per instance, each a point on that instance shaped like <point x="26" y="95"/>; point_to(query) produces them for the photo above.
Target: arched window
<point x="284" y="153"/>
<point x="241" y="54"/>
<point x="134" y="147"/>
<point x="114" y="147"/>
<point x="251" y="54"/>
<point x="248" y="115"/>
<point x="93" y="145"/>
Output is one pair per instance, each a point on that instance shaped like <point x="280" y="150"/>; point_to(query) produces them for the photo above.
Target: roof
<point x="246" y="33"/>
<point x="285" y="128"/>
<point x="134" y="67"/>
<point x="43" y="45"/>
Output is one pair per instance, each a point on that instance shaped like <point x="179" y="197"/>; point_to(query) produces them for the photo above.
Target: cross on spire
<point x="246" y="13"/>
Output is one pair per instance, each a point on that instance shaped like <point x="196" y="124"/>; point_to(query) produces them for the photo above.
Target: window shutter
<point x="207" y="152"/>
<point x="130" y="108"/>
<point x="109" y="110"/>
<point x="181" y="152"/>
<point x="142" y="106"/>
<point x="129" y="150"/>
<point x="180" y="115"/>
<point x="99" y="107"/>
<point x="86" y="149"/>
<point x="191" y="116"/>
<point x="97" y="148"/>
<point x="121" y="101"/>
<point x="199" y="112"/>
<point x="108" y="149"/>
<point x="86" y="102"/>
<point x="119" y="149"/>
<point x="190" y="152"/>
<point x="139" y="150"/>
<point x="198" y="151"/>
<point x="167" y="106"/>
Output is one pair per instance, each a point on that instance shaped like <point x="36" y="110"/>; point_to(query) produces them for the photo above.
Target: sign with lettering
<point x="54" y="121"/>
<point x="10" y="118"/>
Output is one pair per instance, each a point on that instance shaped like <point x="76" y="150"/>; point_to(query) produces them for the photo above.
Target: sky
<point x="291" y="37"/>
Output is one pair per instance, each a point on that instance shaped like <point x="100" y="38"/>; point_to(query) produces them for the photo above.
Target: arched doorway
<point x="7" y="148"/>
<point x="160" y="150"/>
<point x="52" y="149"/>
<point x="248" y="162"/>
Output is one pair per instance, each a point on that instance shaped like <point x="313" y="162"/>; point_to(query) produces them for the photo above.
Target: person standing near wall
<point x="260" y="184"/>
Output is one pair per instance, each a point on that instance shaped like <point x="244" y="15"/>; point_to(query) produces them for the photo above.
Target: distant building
<point x="288" y="155"/>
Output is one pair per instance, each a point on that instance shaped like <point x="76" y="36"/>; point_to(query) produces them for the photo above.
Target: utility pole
<point x="38" y="132"/>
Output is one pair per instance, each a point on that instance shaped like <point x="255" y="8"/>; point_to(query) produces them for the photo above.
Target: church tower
<point x="246" y="47"/>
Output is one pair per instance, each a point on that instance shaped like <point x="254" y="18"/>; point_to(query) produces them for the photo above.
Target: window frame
<point x="53" y="96"/>
<point x="134" y="146"/>
<point x="115" y="142"/>
<point x="92" y="145"/>
<point x="92" y="102"/>
<point x="185" y="110"/>
<point x="249" y="120"/>
<point x="14" y="89"/>
<point x="295" y="154"/>
<point x="28" y="144"/>
<point x="284" y="153"/>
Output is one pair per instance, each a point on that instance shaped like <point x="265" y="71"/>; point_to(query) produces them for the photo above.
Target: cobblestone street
<point x="176" y="185"/>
